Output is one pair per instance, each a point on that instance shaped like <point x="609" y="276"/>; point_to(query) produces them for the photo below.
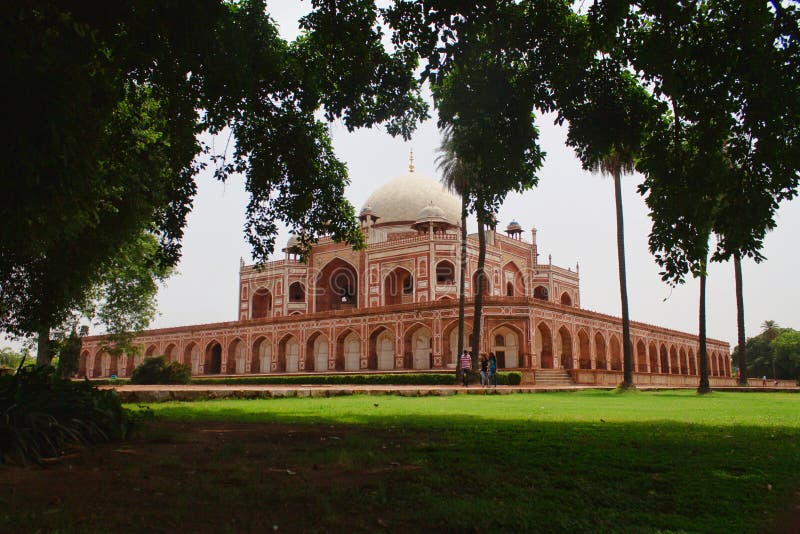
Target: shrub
<point x="42" y="414"/>
<point x="512" y="378"/>
<point x="157" y="370"/>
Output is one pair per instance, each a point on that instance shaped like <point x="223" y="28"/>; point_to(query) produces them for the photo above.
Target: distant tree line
<point x="774" y="353"/>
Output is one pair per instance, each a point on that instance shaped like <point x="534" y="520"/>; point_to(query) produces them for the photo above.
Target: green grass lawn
<point x="584" y="461"/>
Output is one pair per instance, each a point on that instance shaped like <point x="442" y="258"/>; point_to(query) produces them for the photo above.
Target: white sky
<point x="572" y="210"/>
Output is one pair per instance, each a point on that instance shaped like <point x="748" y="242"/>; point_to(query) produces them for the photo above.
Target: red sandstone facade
<point x="394" y="306"/>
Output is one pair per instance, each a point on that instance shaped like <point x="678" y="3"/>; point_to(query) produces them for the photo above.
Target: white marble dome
<point x="402" y="199"/>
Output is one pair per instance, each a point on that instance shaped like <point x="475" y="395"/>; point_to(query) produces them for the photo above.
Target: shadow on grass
<point x="518" y="473"/>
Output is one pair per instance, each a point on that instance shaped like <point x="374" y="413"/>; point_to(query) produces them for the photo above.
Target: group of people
<point x="488" y="369"/>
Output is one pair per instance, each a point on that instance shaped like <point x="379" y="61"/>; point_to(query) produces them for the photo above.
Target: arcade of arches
<point x="393" y="305"/>
<point x="402" y="343"/>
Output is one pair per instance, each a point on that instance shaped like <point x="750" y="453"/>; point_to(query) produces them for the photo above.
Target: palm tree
<point x="454" y="178"/>
<point x="616" y="163"/>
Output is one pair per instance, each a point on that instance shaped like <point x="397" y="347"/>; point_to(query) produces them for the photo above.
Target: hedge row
<point x="412" y="379"/>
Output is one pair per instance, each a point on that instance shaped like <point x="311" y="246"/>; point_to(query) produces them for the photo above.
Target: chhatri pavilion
<point x="394" y="306"/>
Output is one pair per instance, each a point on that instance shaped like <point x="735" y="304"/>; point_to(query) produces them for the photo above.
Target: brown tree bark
<point x="704" y="386"/>
<point x="737" y="268"/>
<point x="476" y="316"/>
<point x="627" y="356"/>
<point x="462" y="285"/>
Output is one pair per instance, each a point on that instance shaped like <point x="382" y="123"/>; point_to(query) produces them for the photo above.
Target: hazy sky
<point x="572" y="209"/>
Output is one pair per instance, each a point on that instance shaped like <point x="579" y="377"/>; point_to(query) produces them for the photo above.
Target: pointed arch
<point x="486" y="285"/>
<point x="336" y="286"/>
<point x="398" y="287"/>
<point x="641" y="357"/>
<point x="97" y="367"/>
<point x="261" y="304"/>
<point x="288" y="354"/>
<point x="564" y="340"/>
<point x="418" y="347"/>
<point x="566" y="300"/>
<point x="261" y="355"/>
<point x="653" y="357"/>
<point x="213" y="358"/>
<point x="235" y="361"/>
<point x="584" y="350"/>
<point x="601" y="361"/>
<point x="191" y="357"/>
<point x="151" y="351"/>
<point x="381" y="349"/>
<point x="684" y="364"/>
<point x="506" y="341"/>
<point x="171" y="353"/>
<point x="514" y="280"/>
<point x="541" y="293"/>
<point x="674" y="366"/>
<point x="348" y="350"/>
<point x="664" y="359"/>
<point x="445" y="273"/>
<point x="297" y="292"/>
<point x="450" y="339"/>
<point x="544" y="345"/>
<point x="692" y="362"/>
<point x="317" y="347"/>
<point x="616" y="356"/>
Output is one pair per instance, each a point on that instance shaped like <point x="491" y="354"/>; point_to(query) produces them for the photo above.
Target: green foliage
<point x="157" y="370"/>
<point x="774" y="353"/>
<point x="42" y="415"/>
<point x="11" y="358"/>
<point x="68" y="354"/>
<point x="112" y="105"/>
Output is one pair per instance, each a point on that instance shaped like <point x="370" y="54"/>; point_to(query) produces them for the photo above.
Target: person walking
<point x="492" y="370"/>
<point x="484" y="371"/>
<point x="466" y="366"/>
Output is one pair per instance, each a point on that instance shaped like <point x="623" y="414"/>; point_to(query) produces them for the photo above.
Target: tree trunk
<point x="476" y="316"/>
<point x="704" y="386"/>
<point x="627" y="356"/>
<point x="44" y="356"/>
<point x="737" y="268"/>
<point x="462" y="284"/>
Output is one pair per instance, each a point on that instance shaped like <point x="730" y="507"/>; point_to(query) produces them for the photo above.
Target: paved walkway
<point x="161" y="393"/>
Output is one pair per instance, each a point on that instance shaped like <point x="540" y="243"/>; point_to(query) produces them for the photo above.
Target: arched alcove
<point x="337" y="286"/>
<point x="398" y="287"/>
<point x="261" y="305"/>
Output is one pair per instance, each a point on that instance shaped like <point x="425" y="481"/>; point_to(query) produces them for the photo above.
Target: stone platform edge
<point x="128" y="395"/>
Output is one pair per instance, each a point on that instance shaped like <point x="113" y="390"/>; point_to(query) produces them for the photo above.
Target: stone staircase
<point x="553" y="378"/>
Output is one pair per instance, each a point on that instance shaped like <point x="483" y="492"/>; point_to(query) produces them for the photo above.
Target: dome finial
<point x="411" y="161"/>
